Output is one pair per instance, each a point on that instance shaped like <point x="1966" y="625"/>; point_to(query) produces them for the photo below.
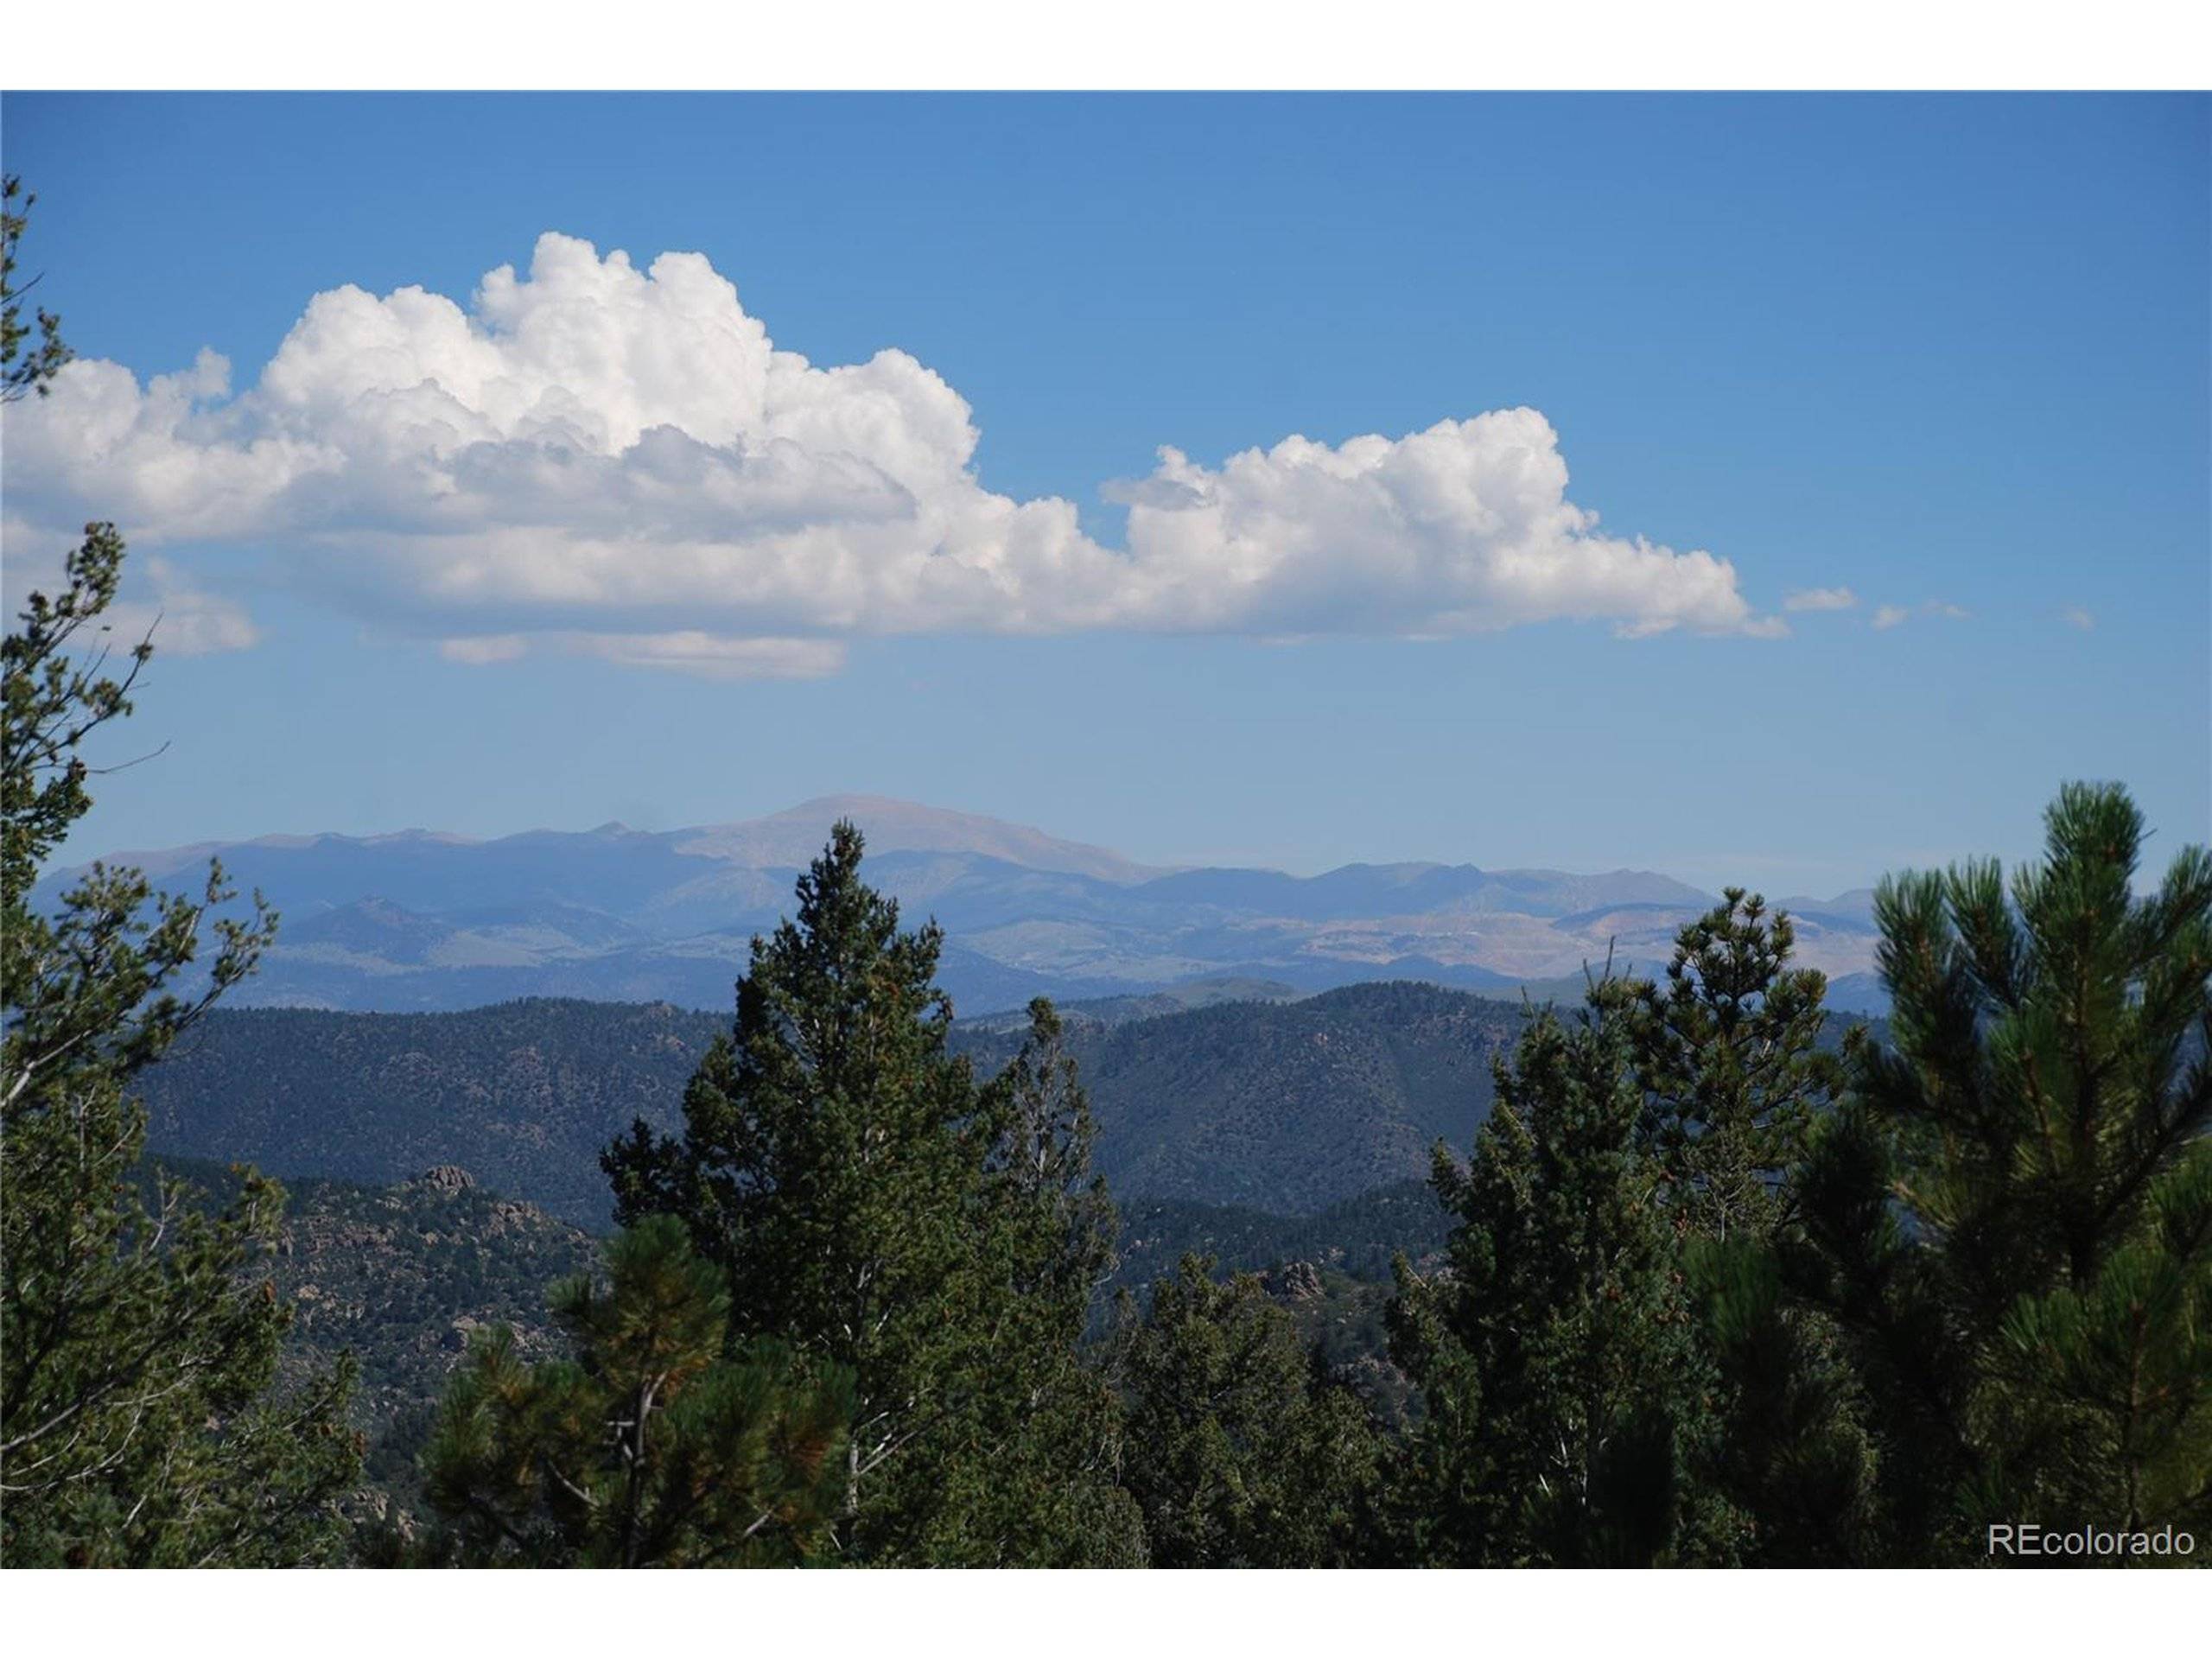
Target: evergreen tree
<point x="1057" y="1221"/>
<point x="1568" y="1401"/>
<point x="1050" y="1493"/>
<point x="1240" y="1452"/>
<point x="2012" y="1218"/>
<point x="24" y="368"/>
<point x="138" y="1345"/>
<point x="654" y="1447"/>
<point x="1727" y="1054"/>
<point x="877" y="1210"/>
<point x="1793" y="1453"/>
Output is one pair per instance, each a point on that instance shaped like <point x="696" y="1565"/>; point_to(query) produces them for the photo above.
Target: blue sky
<point x="1949" y="354"/>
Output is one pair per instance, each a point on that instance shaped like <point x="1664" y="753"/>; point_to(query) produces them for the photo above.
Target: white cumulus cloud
<point x="618" y="462"/>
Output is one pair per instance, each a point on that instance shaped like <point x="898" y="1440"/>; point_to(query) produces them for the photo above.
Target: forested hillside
<point x="1355" y="1236"/>
<point x="1286" y="1107"/>
<point x="522" y="1094"/>
<point x="1290" y="1106"/>
<point x="403" y="1276"/>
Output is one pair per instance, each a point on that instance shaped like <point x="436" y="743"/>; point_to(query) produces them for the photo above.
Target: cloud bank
<point x="600" y="460"/>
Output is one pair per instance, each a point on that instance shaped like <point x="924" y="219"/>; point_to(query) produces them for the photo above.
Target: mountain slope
<point x="403" y="1275"/>
<point x="1290" y="1106"/>
<point x="523" y="1094"/>
<point x="1287" y="1107"/>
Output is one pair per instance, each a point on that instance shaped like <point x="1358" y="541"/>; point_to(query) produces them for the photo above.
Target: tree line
<point x="1712" y="1295"/>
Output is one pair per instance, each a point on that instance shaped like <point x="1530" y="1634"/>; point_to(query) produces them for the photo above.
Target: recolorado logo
<point x="2027" y="1538"/>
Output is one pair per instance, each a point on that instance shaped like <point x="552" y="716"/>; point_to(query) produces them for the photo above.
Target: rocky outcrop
<point x="1295" y="1282"/>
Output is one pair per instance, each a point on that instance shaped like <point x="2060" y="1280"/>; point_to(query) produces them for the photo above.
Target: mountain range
<point x="1284" y="1106"/>
<point x="423" y="920"/>
<point x="1278" y="1104"/>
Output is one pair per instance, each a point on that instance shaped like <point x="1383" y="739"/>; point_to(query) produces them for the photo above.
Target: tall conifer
<point x="873" y="1207"/>
<point x="2012" y="1218"/>
<point x="1568" y="1400"/>
<point x="138" y="1339"/>
<point x="1241" y="1452"/>
<point x="1727" y="1052"/>
<point x="1729" y="1055"/>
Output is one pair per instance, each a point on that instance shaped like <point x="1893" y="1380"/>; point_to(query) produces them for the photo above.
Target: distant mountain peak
<point x="794" y="836"/>
<point x="850" y="802"/>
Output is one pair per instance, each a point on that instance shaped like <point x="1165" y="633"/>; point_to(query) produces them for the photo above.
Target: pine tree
<point x="1568" y="1401"/>
<point x="24" y="369"/>
<point x="138" y="1344"/>
<point x="2012" y="1218"/>
<point x="875" y="1209"/>
<point x="1057" y="1221"/>
<point x="653" y="1447"/>
<point x="1240" y="1452"/>
<point x="137" y="1347"/>
<point x="1050" y="1492"/>
<point x="1793" y="1454"/>
<point x="1728" y="1057"/>
<point x="1727" y="1054"/>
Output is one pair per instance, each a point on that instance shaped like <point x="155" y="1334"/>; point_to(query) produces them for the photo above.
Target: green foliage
<point x="1727" y="1052"/>
<point x="1049" y="1493"/>
<point x="2120" y="1375"/>
<point x="1794" y="1455"/>
<point x="399" y="1278"/>
<point x="1240" y="1452"/>
<point x="1357" y="1237"/>
<point x="1568" y="1399"/>
<point x="824" y="1164"/>
<point x="1729" y="1055"/>
<point x="1057" y="1224"/>
<point x="2009" y="1221"/>
<point x="1707" y="1291"/>
<point x="137" y="1339"/>
<point x="656" y="1446"/>
<point x="876" y="1210"/>
<point x="24" y="368"/>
